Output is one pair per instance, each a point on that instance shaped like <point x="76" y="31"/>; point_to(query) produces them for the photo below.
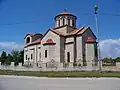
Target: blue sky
<point x="40" y="15"/>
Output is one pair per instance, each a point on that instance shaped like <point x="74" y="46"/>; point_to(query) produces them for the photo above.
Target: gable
<point x="49" y="35"/>
<point x="89" y="36"/>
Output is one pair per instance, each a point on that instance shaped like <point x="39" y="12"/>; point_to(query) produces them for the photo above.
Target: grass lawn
<point x="61" y="73"/>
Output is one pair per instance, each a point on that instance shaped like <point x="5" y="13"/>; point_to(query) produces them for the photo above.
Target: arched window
<point x="28" y="40"/>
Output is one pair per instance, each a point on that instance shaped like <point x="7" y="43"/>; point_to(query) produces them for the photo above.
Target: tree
<point x="3" y="58"/>
<point x="21" y="56"/>
<point x="8" y="60"/>
<point x="16" y="57"/>
<point x="108" y="60"/>
<point x="117" y="59"/>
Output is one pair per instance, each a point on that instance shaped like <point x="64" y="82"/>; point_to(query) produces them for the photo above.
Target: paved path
<point x="35" y="83"/>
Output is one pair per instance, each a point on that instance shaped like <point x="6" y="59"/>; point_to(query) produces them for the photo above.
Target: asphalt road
<point x="35" y="83"/>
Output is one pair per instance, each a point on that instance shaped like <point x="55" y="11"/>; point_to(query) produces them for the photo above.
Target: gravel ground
<point x="43" y="83"/>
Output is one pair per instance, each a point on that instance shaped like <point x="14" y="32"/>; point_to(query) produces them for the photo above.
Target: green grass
<point x="61" y="73"/>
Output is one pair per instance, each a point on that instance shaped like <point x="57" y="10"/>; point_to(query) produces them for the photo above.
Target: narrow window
<point x="31" y="56"/>
<point x="26" y="57"/>
<point x="73" y="24"/>
<point x="96" y="51"/>
<point x="69" y="22"/>
<point x="40" y="55"/>
<point x="58" y="23"/>
<point x="68" y="56"/>
<point x="45" y="53"/>
<point x="63" y="21"/>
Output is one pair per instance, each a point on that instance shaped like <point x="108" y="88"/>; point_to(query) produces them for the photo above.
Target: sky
<point x="20" y="17"/>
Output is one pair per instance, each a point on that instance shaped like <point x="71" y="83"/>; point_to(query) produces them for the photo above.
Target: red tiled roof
<point x="64" y="13"/>
<point x="29" y="35"/>
<point x="38" y="41"/>
<point x="74" y="32"/>
<point x="32" y="34"/>
<point x="82" y="31"/>
<point x="57" y="32"/>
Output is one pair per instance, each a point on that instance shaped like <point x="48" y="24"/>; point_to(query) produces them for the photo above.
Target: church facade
<point x="65" y="45"/>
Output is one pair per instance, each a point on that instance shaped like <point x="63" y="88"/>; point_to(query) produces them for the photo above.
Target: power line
<point x="107" y="14"/>
<point x="35" y="21"/>
<point x="25" y="22"/>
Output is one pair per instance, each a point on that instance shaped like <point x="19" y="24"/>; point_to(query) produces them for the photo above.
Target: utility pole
<point x="97" y="28"/>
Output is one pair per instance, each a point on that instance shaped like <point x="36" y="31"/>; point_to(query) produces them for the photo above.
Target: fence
<point x="22" y="68"/>
<point x="78" y="68"/>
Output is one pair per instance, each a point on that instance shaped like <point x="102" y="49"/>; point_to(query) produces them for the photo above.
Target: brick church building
<point x="65" y="45"/>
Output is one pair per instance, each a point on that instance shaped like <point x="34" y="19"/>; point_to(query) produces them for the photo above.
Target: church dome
<point x="65" y="13"/>
<point x="65" y="18"/>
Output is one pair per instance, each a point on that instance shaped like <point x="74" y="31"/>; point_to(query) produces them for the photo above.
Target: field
<point x="61" y="73"/>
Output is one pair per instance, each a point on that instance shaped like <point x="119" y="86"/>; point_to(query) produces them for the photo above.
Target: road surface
<point x="36" y="83"/>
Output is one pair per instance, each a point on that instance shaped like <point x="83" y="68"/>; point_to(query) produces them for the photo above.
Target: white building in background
<point x="65" y="45"/>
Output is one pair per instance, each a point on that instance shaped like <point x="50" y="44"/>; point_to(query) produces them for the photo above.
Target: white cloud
<point x="110" y="48"/>
<point x="8" y="46"/>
